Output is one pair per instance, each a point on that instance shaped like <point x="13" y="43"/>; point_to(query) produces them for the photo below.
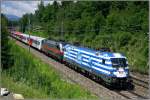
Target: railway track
<point x="94" y="87"/>
<point x="131" y="95"/>
<point x="140" y="82"/>
<point x="141" y="86"/>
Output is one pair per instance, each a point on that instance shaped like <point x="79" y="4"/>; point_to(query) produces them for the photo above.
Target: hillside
<point x="122" y="26"/>
<point x="12" y="17"/>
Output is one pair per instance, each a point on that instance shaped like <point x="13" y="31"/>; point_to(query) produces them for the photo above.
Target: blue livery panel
<point x="94" y="61"/>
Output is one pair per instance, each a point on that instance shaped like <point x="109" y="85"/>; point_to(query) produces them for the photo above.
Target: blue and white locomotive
<point x="110" y="67"/>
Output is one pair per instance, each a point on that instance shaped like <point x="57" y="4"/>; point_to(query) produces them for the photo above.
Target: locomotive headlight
<point x="113" y="80"/>
<point x="113" y="73"/>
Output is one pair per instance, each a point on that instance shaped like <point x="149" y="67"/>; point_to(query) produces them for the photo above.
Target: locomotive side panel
<point x="96" y="63"/>
<point x="52" y="48"/>
<point x="87" y="61"/>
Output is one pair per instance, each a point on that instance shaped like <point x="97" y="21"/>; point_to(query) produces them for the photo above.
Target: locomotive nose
<point x="120" y="73"/>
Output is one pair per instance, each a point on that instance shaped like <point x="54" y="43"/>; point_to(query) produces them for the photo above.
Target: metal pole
<point x="62" y="30"/>
<point x="21" y="27"/>
<point x="29" y="33"/>
<point x="62" y="23"/>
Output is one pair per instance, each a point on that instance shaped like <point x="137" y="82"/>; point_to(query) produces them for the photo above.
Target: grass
<point x="35" y="79"/>
<point x="21" y="88"/>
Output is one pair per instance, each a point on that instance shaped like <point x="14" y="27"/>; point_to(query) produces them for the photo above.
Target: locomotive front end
<point x="120" y="76"/>
<point x="121" y="66"/>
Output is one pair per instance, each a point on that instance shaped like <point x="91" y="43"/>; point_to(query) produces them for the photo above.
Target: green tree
<point x="6" y="56"/>
<point x="116" y="24"/>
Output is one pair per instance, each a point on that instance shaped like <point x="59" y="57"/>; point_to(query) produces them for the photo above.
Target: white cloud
<point x="47" y="2"/>
<point x="10" y="10"/>
<point x="19" y="8"/>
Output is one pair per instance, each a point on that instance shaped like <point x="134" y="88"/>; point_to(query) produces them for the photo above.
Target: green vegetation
<point x="6" y="57"/>
<point x="35" y="79"/>
<point x="122" y="26"/>
<point x="40" y="33"/>
<point x="21" y="88"/>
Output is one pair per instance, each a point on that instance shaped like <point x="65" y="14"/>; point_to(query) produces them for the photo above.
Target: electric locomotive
<point x="110" y="67"/>
<point x="53" y="49"/>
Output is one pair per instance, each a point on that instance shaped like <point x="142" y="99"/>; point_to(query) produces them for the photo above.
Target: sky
<point x="20" y="7"/>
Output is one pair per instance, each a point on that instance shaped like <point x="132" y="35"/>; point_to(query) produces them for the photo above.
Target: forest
<point x="121" y="26"/>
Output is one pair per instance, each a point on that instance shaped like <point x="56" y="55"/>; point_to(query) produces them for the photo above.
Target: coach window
<point x="103" y="61"/>
<point x="57" y="46"/>
<point x="42" y="41"/>
<point x="35" y="41"/>
<point x="38" y="43"/>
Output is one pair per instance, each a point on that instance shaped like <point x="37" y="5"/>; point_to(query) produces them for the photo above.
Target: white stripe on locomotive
<point x="99" y="69"/>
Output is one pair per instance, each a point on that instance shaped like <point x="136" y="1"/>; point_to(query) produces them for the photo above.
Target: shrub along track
<point x="92" y="86"/>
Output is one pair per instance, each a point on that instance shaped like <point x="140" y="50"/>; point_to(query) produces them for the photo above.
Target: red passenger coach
<point x="33" y="41"/>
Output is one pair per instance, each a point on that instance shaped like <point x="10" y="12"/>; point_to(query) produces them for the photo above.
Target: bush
<point x="124" y="38"/>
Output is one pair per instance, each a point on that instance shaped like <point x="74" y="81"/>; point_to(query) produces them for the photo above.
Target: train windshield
<point x="118" y="62"/>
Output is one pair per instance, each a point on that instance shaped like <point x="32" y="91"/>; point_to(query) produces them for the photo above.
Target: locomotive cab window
<point x="103" y="61"/>
<point x="118" y="62"/>
<point x="64" y="49"/>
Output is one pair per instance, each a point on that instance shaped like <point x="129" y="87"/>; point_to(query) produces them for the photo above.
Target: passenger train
<point x="109" y="67"/>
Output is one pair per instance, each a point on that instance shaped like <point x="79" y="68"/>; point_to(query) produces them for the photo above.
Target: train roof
<point x="37" y="38"/>
<point x="26" y="35"/>
<point x="16" y="32"/>
<point x="33" y="37"/>
<point x="99" y="53"/>
<point x="54" y="42"/>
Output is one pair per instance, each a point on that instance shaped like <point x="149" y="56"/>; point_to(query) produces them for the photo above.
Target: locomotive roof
<point x="51" y="42"/>
<point x="55" y="42"/>
<point x="99" y="53"/>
